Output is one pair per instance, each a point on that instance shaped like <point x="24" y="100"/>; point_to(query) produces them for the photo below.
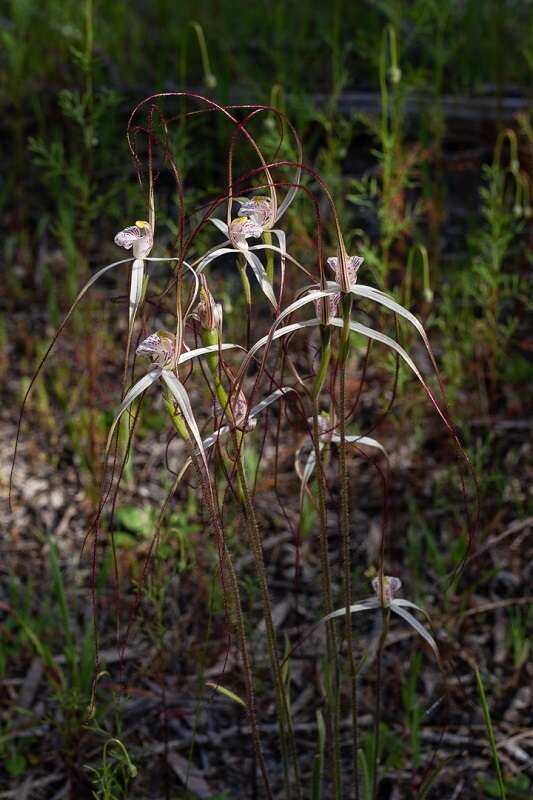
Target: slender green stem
<point x="267" y="239"/>
<point x="490" y="733"/>
<point x="287" y="741"/>
<point x="377" y="711"/>
<point x="344" y="348"/>
<point x="229" y="570"/>
<point x="242" y="264"/>
<point x="332" y="718"/>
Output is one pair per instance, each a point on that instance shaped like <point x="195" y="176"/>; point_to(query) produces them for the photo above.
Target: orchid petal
<point x="203" y="351"/>
<point x="138" y="388"/>
<point x="260" y="274"/>
<point x="260" y="407"/>
<point x="181" y="397"/>
<point x="402" y="602"/>
<point x="363" y="605"/>
<point x="367" y="441"/>
<point x="136" y="288"/>
<point x="414" y="623"/>
<point x="214" y="254"/>
<point x="220" y="224"/>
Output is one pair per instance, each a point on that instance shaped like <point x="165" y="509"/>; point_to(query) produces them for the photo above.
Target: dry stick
<point x="332" y="716"/>
<point x="344" y="348"/>
<point x="227" y="561"/>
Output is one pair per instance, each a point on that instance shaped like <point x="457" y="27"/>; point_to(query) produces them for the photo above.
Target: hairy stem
<point x="332" y="718"/>
<point x="344" y="348"/>
<point x="377" y="710"/>
<point x="287" y="741"/>
<point x="228" y="569"/>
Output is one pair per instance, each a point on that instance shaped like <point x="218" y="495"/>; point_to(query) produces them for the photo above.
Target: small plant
<point x="219" y="396"/>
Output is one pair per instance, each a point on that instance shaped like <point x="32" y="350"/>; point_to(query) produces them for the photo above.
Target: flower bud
<point x="395" y="75"/>
<point x="209" y="313"/>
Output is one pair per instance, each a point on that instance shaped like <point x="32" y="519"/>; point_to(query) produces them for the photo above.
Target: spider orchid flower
<point x="256" y="215"/>
<point x="140" y="239"/>
<point x="345" y="269"/>
<point x="385" y="588"/>
<point x="327" y="436"/>
<point x="243" y="228"/>
<point x="259" y="209"/>
<point x="160" y="348"/>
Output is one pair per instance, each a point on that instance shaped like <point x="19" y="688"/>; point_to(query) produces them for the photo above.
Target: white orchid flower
<point x="385" y="588"/>
<point x="243" y="228"/>
<point x="159" y="346"/>
<point x="258" y="209"/>
<point x="140" y="238"/>
<point x="352" y="264"/>
<point x="326" y="436"/>
<point x="256" y="216"/>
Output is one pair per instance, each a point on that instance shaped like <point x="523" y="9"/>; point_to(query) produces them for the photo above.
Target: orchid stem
<point x="285" y="724"/>
<point x="332" y="718"/>
<point x="227" y="562"/>
<point x="344" y="349"/>
<point x="242" y="264"/>
<point x="377" y="711"/>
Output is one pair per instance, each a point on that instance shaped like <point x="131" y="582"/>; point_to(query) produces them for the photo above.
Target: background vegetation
<point x="417" y="115"/>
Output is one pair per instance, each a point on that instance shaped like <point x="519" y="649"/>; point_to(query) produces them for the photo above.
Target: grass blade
<point x="490" y="732"/>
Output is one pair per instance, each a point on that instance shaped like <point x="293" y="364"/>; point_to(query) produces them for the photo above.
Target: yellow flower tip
<point x="142" y="224"/>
